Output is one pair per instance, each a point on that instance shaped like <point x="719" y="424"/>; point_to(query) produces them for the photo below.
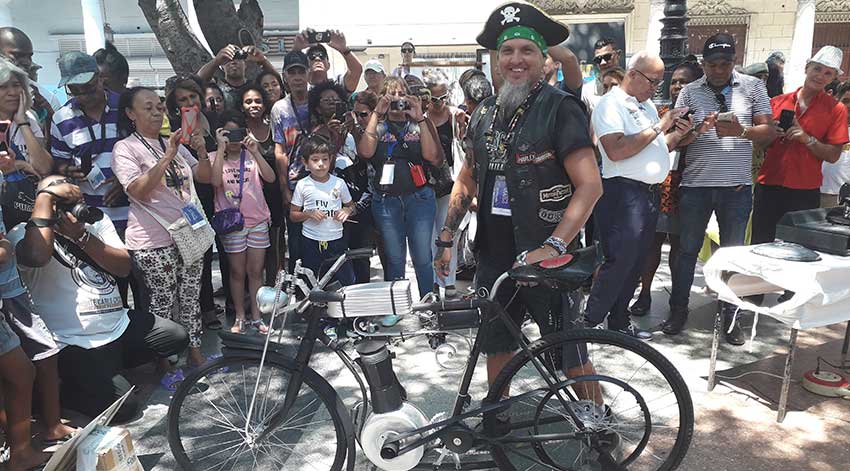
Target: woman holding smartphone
<point x="238" y="173"/>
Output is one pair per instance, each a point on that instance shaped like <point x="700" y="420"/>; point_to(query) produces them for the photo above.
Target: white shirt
<point x="618" y="112"/>
<point x="837" y="174"/>
<point x="80" y="305"/>
<point x="591" y="93"/>
<point x="327" y="197"/>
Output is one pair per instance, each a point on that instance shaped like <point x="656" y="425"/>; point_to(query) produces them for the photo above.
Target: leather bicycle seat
<point x="568" y="271"/>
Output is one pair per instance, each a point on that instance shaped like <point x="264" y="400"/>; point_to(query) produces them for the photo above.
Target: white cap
<point x="374" y="64"/>
<point x="829" y="56"/>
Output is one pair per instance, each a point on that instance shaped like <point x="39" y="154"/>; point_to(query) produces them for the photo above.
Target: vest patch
<point x="556" y="193"/>
<point x="550" y="216"/>
<point x="535" y="158"/>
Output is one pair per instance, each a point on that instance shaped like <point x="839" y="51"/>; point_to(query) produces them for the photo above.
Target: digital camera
<point x="81" y="211"/>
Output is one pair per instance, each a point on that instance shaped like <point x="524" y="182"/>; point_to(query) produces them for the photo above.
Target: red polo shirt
<point x="790" y="163"/>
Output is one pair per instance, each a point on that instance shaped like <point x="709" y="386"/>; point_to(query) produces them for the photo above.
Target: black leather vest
<point x="538" y="186"/>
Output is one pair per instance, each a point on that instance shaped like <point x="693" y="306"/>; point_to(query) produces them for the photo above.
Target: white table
<point x="821" y="297"/>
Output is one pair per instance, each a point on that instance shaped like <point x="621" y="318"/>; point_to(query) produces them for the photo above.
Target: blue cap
<point x="76" y="68"/>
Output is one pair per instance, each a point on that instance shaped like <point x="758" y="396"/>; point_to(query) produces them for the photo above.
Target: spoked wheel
<point x="207" y="420"/>
<point x="629" y="406"/>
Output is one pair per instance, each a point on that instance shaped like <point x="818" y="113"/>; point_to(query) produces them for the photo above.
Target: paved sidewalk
<point x="735" y="426"/>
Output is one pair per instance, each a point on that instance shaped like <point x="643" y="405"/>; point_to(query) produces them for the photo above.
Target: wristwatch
<point x="657" y="129"/>
<point x="812" y="141"/>
<point x="522" y="258"/>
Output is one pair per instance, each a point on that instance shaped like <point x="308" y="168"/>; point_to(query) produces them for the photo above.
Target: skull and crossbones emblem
<point x="510" y="15"/>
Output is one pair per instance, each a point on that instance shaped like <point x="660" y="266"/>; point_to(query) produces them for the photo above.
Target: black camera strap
<point x="174" y="180"/>
<point x="71" y="248"/>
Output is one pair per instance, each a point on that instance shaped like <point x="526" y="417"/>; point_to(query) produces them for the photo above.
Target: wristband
<point x="558" y="244"/>
<point x="449" y="230"/>
<point x="445" y="244"/>
<point x="41" y="222"/>
<point x="421" y="121"/>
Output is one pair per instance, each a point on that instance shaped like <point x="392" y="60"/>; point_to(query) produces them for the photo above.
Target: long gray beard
<point x="510" y="97"/>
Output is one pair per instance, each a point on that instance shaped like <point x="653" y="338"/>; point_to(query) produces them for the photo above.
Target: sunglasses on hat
<point x="604" y="57"/>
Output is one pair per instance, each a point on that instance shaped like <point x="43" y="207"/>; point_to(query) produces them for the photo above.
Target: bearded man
<point x="530" y="162"/>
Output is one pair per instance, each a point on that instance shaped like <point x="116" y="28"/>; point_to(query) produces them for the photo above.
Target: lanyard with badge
<point x="388" y="169"/>
<point x="94" y="175"/>
<point x="174" y="179"/>
<point x="498" y="145"/>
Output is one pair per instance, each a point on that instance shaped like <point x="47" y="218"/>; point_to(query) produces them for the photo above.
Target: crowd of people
<point x="113" y="201"/>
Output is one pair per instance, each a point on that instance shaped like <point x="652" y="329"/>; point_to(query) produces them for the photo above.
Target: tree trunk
<point x="221" y="23"/>
<point x="168" y="22"/>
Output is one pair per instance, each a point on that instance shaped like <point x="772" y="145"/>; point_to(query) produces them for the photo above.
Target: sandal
<point x="211" y="320"/>
<point x="61" y="440"/>
<point x="172" y="379"/>
<point x="260" y="326"/>
<point x="238" y="326"/>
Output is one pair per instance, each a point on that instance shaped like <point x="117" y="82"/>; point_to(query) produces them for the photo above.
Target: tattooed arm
<point x="463" y="191"/>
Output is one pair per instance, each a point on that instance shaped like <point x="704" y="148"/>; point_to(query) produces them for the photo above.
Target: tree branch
<point x="168" y="22"/>
<point x="251" y="16"/>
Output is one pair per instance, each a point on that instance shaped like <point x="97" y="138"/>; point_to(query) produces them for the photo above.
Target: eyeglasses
<point x="317" y="56"/>
<point x="721" y="102"/>
<point x="604" y="57"/>
<point x="81" y="90"/>
<point x="652" y="83"/>
<point x="406" y="50"/>
<point x="362" y="114"/>
<point x="437" y="99"/>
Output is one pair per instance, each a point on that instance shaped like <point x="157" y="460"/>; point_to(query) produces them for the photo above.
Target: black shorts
<point x="551" y="309"/>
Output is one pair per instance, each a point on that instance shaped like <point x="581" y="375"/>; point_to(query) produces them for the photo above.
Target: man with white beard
<point x="530" y="162"/>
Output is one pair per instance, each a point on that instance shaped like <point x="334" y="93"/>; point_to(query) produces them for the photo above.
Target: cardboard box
<point x="107" y="449"/>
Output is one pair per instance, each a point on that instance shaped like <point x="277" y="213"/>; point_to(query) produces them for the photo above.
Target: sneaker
<point x="641" y="307"/>
<point x="634" y="331"/>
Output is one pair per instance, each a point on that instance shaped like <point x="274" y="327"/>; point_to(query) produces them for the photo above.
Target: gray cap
<point x="76" y="68"/>
<point x="757" y="68"/>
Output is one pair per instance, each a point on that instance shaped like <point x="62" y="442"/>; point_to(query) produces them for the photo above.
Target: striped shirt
<point x="726" y="161"/>
<point x="73" y="135"/>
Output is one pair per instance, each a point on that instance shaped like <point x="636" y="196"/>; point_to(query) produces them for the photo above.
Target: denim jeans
<point x="732" y="207"/>
<point x="407" y="221"/>
<point x="320" y="256"/>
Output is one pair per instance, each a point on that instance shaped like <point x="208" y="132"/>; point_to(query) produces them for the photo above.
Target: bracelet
<point x="558" y="244"/>
<point x="449" y="230"/>
<point x="744" y="132"/>
<point x="812" y="141"/>
<point x="421" y="121"/>
<point x="445" y="244"/>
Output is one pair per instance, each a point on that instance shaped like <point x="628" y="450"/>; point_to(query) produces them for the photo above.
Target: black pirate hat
<point x="522" y="20"/>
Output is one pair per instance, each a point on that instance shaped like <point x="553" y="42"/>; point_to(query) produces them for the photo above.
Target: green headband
<point x="523" y="32"/>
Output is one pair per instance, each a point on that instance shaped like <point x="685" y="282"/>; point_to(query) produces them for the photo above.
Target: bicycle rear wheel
<point x="635" y="407"/>
<point x="207" y="418"/>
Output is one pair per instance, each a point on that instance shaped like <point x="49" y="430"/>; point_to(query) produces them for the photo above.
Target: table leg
<point x="715" y="343"/>
<point x="786" y="379"/>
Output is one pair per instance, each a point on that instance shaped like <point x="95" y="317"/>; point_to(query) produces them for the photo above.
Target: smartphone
<point x="687" y="114"/>
<point x="4" y="130"/>
<point x="786" y="119"/>
<point x="399" y="105"/>
<point x="236" y="134"/>
<point x="341" y="109"/>
<point x="190" y="122"/>
<point x="319" y="36"/>
<point x="725" y="116"/>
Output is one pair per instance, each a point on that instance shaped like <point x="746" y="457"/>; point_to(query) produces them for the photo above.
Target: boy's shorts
<point x="34" y="336"/>
<point x="255" y="237"/>
<point x="8" y="339"/>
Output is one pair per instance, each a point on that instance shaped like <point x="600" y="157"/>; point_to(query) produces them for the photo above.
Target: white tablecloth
<point x="822" y="288"/>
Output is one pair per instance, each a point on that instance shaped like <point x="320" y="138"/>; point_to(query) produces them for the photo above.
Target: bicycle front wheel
<point x="634" y="409"/>
<point x="208" y="416"/>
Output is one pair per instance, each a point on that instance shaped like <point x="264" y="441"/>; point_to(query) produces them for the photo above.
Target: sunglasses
<point x="652" y="83"/>
<point x="437" y="99"/>
<point x="406" y="49"/>
<point x="721" y="102"/>
<point x="362" y="114"/>
<point x="604" y="57"/>
<point x="317" y="56"/>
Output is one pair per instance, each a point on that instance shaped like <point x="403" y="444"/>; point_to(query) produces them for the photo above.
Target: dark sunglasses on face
<point x="437" y="99"/>
<point x="362" y="114"/>
<point x="406" y="50"/>
<point x="317" y="56"/>
<point x="604" y="57"/>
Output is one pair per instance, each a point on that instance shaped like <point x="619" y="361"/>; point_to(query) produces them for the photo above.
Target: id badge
<point x="387" y="174"/>
<point x="95" y="177"/>
<point x="501" y="202"/>
<point x="193" y="216"/>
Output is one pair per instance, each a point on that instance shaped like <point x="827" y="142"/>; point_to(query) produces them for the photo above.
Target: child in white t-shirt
<point x="323" y="203"/>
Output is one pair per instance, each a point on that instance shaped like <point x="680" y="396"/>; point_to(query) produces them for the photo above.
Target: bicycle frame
<point x="462" y="398"/>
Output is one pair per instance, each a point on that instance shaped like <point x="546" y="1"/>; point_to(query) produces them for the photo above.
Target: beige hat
<point x="829" y="56"/>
